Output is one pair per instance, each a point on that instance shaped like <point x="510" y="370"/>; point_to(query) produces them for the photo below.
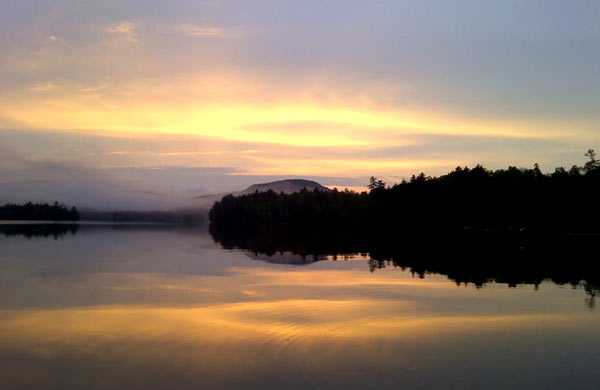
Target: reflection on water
<point x="466" y="257"/>
<point x="37" y="230"/>
<point x="162" y="307"/>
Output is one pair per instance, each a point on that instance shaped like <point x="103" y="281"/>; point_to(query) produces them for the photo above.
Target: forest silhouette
<point x="466" y="198"/>
<point x="38" y="212"/>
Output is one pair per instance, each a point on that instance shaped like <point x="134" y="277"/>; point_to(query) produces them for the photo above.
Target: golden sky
<point x="276" y="89"/>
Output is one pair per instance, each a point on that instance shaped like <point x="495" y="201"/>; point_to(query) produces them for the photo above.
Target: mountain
<point x="287" y="186"/>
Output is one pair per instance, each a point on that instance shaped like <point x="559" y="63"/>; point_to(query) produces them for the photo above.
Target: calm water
<point x="145" y="308"/>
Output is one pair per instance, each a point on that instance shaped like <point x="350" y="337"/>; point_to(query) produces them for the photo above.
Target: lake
<point x="163" y="307"/>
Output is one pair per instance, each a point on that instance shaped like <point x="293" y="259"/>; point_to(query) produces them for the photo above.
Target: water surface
<point x="155" y="307"/>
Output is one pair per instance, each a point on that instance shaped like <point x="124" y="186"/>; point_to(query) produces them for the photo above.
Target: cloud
<point x="201" y="31"/>
<point x="124" y="29"/>
<point x="93" y="88"/>
<point x="46" y="86"/>
<point x="120" y="28"/>
<point x="25" y="179"/>
<point x="117" y="172"/>
<point x="170" y="171"/>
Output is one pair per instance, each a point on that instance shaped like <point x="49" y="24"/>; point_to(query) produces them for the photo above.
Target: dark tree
<point x="375" y="184"/>
<point x="593" y="164"/>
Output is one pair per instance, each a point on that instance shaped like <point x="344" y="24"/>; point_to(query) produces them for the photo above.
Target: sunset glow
<point x="333" y="96"/>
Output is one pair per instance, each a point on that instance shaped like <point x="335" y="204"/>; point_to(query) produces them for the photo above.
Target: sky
<point x="145" y="104"/>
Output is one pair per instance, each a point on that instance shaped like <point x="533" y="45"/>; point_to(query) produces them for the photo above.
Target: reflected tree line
<point x="468" y="258"/>
<point x="30" y="231"/>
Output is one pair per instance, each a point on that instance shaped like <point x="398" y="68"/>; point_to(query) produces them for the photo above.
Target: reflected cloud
<point x="312" y="321"/>
<point x="327" y="279"/>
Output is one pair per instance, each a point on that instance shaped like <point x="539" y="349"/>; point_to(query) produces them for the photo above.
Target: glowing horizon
<point x="318" y="93"/>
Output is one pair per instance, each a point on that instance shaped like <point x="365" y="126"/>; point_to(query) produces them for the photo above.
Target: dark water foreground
<point x="162" y="307"/>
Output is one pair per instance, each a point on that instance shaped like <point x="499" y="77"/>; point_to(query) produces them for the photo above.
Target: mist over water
<point x="155" y="306"/>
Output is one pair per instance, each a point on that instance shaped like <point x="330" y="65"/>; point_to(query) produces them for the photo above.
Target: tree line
<point x="512" y="199"/>
<point x="38" y="212"/>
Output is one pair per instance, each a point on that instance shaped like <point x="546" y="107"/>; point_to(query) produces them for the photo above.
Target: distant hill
<point x="287" y="186"/>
